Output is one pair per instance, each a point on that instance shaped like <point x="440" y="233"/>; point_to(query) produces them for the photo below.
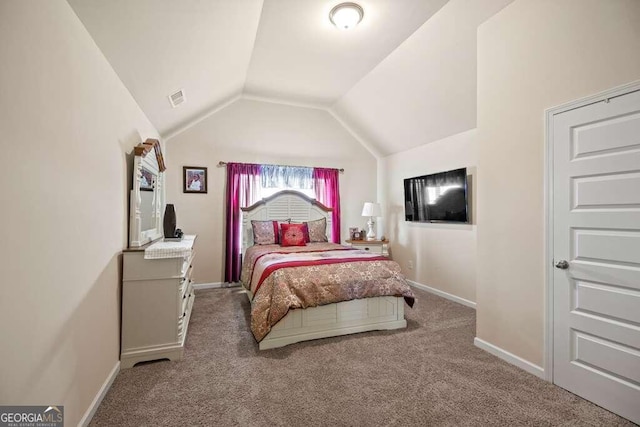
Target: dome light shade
<point x="346" y="15"/>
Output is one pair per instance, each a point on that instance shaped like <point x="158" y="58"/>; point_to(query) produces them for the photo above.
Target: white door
<point x="596" y="250"/>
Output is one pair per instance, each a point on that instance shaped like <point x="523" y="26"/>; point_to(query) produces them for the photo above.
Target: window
<point x="266" y="192"/>
<point x="274" y="178"/>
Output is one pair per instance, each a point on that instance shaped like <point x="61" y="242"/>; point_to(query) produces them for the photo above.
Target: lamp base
<point x="371" y="234"/>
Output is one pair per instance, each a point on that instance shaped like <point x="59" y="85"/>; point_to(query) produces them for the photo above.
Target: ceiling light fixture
<point x="346" y="15"/>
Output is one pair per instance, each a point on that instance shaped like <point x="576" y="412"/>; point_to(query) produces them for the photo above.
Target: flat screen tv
<point x="439" y="197"/>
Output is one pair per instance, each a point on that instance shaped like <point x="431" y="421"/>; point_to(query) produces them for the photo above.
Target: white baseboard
<point x="443" y="294"/>
<point x="208" y="285"/>
<point x="510" y="357"/>
<point x="215" y="285"/>
<point x="91" y="411"/>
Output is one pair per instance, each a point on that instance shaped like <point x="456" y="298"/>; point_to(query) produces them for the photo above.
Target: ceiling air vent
<point x="177" y="98"/>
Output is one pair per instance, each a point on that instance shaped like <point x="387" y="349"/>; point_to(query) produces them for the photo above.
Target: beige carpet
<point x="428" y="374"/>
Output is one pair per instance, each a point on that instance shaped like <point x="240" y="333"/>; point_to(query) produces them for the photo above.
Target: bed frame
<point x="342" y="318"/>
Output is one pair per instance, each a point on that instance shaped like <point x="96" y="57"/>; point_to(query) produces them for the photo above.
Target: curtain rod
<point x="221" y="163"/>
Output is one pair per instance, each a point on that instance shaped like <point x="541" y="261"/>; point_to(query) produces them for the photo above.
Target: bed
<point x="318" y="290"/>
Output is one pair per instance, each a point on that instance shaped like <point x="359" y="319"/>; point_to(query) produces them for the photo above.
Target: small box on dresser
<point x="157" y="298"/>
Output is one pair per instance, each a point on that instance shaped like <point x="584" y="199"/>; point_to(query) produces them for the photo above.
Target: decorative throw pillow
<point x="292" y="235"/>
<point x="305" y="230"/>
<point x="317" y="230"/>
<point x="265" y="232"/>
<point x="283" y="221"/>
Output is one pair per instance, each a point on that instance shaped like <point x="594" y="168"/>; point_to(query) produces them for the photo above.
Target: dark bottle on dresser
<point x="169" y="223"/>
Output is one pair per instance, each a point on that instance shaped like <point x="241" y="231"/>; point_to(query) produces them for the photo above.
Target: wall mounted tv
<point x="439" y="197"/>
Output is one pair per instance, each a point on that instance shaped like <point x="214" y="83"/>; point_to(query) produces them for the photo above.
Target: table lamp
<point x="371" y="209"/>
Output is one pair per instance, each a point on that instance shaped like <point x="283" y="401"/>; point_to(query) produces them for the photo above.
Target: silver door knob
<point x="563" y="265"/>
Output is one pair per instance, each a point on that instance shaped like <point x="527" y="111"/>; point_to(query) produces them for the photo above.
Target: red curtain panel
<point x="327" y="187"/>
<point x="243" y="190"/>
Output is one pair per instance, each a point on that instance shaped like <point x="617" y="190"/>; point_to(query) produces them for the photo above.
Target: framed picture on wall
<point x="194" y="179"/>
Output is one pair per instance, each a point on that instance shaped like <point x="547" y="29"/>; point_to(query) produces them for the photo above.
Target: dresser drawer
<point x="184" y="300"/>
<point x="185" y="283"/>
<point x="137" y="268"/>
<point x="183" y="322"/>
<point x="186" y="264"/>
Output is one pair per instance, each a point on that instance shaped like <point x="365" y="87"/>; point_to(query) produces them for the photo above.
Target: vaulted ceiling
<point x="404" y="77"/>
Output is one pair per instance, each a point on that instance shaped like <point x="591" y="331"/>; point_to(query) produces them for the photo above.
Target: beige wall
<point x="67" y="125"/>
<point x="443" y="255"/>
<point x="533" y="55"/>
<point x="260" y="132"/>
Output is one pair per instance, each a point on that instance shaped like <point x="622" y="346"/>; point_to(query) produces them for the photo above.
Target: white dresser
<point x="157" y="297"/>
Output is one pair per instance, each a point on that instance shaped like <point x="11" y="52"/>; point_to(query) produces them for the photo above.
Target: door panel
<point x="608" y="358"/>
<point x="606" y="245"/>
<point x="606" y="191"/>
<point x="596" y="187"/>
<point x="607" y="136"/>
<point x="606" y="300"/>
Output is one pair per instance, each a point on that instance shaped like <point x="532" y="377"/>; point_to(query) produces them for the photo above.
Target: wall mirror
<point x="147" y="194"/>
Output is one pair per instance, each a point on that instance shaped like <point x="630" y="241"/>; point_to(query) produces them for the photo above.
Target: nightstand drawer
<point x="375" y="246"/>
<point x="377" y="249"/>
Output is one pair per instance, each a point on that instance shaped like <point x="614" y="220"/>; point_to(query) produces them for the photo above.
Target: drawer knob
<point x="366" y="249"/>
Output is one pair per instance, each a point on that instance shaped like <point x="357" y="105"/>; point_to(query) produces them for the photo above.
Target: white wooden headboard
<point x="283" y="206"/>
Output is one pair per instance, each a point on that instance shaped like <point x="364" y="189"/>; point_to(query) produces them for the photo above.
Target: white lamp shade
<point x="371" y="209"/>
<point x="346" y="15"/>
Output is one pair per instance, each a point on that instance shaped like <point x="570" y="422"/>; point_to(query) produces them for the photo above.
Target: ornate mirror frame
<point x="152" y="164"/>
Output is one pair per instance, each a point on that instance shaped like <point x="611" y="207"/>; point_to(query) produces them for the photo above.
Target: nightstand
<point x="378" y="246"/>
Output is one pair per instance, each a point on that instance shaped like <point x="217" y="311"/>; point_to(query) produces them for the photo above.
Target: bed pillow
<point x="317" y="230"/>
<point x="305" y="231"/>
<point x="265" y="232"/>
<point x="292" y="235"/>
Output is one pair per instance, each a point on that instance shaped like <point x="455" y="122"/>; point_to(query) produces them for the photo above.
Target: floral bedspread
<point x="312" y="284"/>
